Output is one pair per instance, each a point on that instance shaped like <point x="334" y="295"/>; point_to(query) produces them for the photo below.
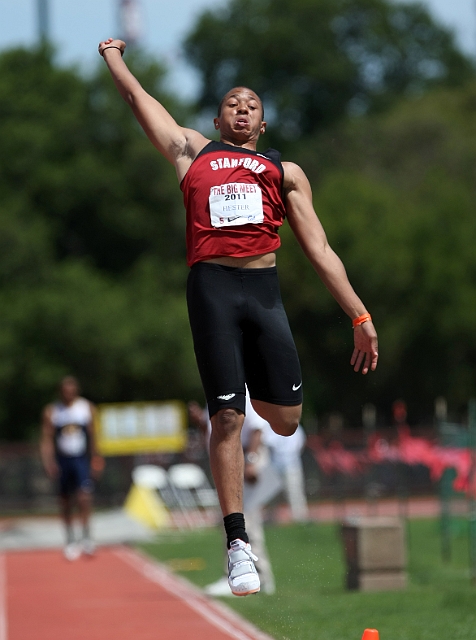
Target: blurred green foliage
<point x="315" y="62"/>
<point x="396" y="195"/>
<point x="92" y="257"/>
<point x="92" y="249"/>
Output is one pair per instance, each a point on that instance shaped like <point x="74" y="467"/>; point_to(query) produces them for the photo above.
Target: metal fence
<point x="329" y="474"/>
<point x="24" y="487"/>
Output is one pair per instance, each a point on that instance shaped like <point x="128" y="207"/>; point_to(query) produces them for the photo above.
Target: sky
<point x="77" y="27"/>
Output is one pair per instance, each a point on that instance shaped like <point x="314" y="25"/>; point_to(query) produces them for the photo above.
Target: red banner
<point x="333" y="458"/>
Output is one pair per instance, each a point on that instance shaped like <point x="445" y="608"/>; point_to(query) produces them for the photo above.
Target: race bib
<point x="236" y="203"/>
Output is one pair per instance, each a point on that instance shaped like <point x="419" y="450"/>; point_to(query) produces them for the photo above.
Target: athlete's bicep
<point x="159" y="126"/>
<point x="300" y="211"/>
<point x="172" y="140"/>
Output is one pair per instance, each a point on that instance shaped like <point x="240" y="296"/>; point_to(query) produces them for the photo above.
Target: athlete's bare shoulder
<point x="47" y="413"/>
<point x="185" y="153"/>
<point x="292" y="175"/>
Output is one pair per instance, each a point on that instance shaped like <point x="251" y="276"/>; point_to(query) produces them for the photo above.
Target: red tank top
<point x="233" y="201"/>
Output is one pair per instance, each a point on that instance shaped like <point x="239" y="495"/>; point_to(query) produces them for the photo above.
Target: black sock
<point x="235" y="528"/>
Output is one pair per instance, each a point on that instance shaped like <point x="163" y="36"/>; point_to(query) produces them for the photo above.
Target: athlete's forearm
<point x="91" y="428"/>
<point x="160" y="127"/>
<point x="332" y="272"/>
<point x="144" y="106"/>
<point x="127" y="84"/>
<point x="312" y="238"/>
<point x="47" y="453"/>
<point x="326" y="262"/>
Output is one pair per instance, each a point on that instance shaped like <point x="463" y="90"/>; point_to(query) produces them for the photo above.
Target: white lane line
<point x="217" y="614"/>
<point x="3" y="597"/>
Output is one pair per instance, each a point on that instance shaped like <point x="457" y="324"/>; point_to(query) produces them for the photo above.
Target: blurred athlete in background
<point x="68" y="454"/>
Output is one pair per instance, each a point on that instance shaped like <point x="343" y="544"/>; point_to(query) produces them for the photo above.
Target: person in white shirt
<point x="68" y="454"/>
<point x="286" y="459"/>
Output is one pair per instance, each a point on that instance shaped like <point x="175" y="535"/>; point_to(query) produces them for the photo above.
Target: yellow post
<point x="145" y="506"/>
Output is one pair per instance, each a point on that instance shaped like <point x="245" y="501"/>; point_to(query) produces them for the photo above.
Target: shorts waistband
<point x="213" y="266"/>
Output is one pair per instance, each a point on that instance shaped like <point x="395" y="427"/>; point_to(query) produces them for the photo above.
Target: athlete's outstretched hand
<point x="111" y="42"/>
<point x="365" y="353"/>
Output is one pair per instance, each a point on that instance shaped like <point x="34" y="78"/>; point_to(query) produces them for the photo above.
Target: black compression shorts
<point x="241" y="335"/>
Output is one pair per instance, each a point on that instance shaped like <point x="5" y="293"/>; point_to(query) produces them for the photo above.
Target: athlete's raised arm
<point x="311" y="236"/>
<point x="179" y="145"/>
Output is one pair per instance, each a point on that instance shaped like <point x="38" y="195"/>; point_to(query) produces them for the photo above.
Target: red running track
<point x="117" y="595"/>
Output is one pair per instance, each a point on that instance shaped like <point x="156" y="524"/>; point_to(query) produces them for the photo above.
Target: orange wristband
<point x="360" y="320"/>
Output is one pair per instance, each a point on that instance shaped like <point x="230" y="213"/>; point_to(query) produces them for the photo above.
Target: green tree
<point x="92" y="251"/>
<point x="315" y="61"/>
<point x="72" y="148"/>
<point x="396" y="196"/>
<point x="92" y="260"/>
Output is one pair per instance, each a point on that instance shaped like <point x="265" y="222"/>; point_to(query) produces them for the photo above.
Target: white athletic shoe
<point x="218" y="588"/>
<point x="242" y="575"/>
<point x="88" y="547"/>
<point x="72" y="551"/>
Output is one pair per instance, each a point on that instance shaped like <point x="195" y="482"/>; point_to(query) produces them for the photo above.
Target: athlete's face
<point x="241" y="116"/>
<point x="69" y="390"/>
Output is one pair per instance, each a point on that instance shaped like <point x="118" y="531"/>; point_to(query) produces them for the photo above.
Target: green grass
<point x="311" y="601"/>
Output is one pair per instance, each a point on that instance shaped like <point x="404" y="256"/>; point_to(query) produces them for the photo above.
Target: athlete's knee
<point x="227" y="422"/>
<point x="284" y="419"/>
<point x="285" y="426"/>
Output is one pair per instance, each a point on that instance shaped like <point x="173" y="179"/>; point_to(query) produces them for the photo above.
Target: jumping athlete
<point x="67" y="450"/>
<point x="236" y="199"/>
